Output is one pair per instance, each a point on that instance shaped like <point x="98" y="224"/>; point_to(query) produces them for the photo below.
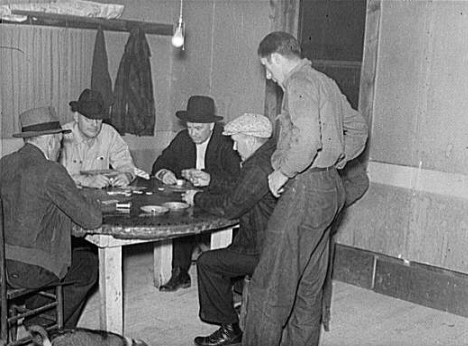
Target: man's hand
<point x="166" y="176"/>
<point x="276" y="181"/>
<point x="120" y="180"/>
<point x="97" y="181"/>
<point x="188" y="196"/>
<point x="197" y="177"/>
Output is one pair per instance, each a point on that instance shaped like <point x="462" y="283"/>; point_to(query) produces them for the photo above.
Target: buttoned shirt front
<point x="201" y="151"/>
<point x="106" y="150"/>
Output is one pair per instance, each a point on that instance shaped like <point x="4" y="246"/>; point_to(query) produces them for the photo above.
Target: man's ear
<point x="75" y="116"/>
<point x="212" y="126"/>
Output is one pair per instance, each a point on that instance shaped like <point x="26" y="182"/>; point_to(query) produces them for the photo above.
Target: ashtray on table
<point x="176" y="206"/>
<point x="154" y="209"/>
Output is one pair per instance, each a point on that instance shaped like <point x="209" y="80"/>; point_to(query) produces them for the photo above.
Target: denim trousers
<point x="81" y="276"/>
<point x="285" y="294"/>
<point x="216" y="270"/>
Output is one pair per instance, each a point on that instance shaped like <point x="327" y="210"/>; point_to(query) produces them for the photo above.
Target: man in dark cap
<point x="200" y="147"/>
<point x="40" y="203"/>
<point x="93" y="146"/>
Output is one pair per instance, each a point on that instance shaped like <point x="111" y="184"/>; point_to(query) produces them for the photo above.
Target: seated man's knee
<point x="205" y="260"/>
<point x="84" y="268"/>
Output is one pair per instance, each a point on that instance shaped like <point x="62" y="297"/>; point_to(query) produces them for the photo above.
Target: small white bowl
<point x="154" y="209"/>
<point x="176" y="206"/>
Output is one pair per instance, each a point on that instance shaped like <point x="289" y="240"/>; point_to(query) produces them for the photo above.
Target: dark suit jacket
<point x="220" y="158"/>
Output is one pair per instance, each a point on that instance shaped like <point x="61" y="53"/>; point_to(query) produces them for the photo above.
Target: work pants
<point x="216" y="270"/>
<point x="285" y="293"/>
<point x="182" y="249"/>
<point x="81" y="276"/>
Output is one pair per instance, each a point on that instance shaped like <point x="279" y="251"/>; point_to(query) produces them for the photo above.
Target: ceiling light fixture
<point x="179" y="32"/>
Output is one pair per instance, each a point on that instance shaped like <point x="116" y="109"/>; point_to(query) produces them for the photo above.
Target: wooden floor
<point x="359" y="317"/>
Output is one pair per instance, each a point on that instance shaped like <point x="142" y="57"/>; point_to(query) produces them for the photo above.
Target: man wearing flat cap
<point x="199" y="147"/>
<point x="94" y="147"/>
<point x="40" y="201"/>
<point x="246" y="197"/>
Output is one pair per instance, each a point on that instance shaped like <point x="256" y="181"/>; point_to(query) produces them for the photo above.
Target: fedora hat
<point x="90" y="104"/>
<point x="200" y="109"/>
<point x="39" y="121"/>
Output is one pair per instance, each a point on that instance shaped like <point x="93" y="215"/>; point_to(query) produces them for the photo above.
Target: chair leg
<point x="13" y="328"/>
<point x="59" y="295"/>
<point x="245" y="298"/>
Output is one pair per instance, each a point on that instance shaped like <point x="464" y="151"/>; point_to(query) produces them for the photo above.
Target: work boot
<point x="179" y="279"/>
<point x="227" y="334"/>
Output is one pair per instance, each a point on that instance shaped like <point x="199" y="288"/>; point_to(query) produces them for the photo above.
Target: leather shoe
<point x="179" y="279"/>
<point x="227" y="334"/>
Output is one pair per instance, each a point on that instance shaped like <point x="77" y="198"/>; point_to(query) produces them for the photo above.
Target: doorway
<point x="331" y="34"/>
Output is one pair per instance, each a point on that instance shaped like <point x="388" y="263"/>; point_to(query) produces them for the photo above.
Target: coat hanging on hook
<point x="100" y="78"/>
<point x="134" y="107"/>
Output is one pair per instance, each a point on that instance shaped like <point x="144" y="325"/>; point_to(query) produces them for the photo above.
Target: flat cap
<point x="256" y="125"/>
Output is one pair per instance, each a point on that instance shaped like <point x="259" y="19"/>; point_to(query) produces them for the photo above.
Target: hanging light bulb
<point x="179" y="32"/>
<point x="178" y="37"/>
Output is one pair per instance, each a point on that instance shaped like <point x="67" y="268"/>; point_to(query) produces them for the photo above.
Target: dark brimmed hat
<point x="90" y="104"/>
<point x="38" y="122"/>
<point x="200" y="109"/>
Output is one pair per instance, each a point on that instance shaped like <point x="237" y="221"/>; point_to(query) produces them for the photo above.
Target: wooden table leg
<point x="162" y="262"/>
<point x="110" y="289"/>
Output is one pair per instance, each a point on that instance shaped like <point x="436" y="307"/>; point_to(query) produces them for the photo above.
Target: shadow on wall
<point x="146" y="149"/>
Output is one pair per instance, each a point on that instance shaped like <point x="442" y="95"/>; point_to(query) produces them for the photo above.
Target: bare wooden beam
<point x="76" y="22"/>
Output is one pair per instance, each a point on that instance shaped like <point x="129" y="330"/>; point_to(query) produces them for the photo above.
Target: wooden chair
<point x="245" y="299"/>
<point x="12" y="308"/>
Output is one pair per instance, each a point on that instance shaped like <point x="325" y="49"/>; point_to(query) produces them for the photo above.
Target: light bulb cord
<point x="180" y="13"/>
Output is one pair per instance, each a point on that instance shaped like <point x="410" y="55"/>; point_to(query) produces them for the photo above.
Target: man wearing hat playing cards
<point x="94" y="147"/>
<point x="246" y="197"/>
<point x="40" y="202"/>
<point x="199" y="147"/>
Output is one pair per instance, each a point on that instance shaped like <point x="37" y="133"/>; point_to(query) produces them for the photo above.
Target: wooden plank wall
<point x="416" y="206"/>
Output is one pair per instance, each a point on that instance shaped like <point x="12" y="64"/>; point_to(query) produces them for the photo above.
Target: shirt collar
<point x="300" y="64"/>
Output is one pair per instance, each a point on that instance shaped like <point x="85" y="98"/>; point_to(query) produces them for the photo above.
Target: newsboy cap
<point x="256" y="125"/>
<point x="90" y="104"/>
<point x="38" y="122"/>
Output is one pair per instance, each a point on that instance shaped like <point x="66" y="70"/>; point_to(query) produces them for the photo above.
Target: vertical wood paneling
<point x="284" y="17"/>
<point x="42" y="66"/>
<point x="248" y="24"/>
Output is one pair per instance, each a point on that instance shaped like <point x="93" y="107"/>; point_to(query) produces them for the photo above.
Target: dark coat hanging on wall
<point x="100" y="78"/>
<point x="134" y="110"/>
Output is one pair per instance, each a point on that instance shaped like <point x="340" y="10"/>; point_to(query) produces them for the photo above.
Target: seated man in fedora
<point x="201" y="146"/>
<point x="40" y="203"/>
<point x="92" y="145"/>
